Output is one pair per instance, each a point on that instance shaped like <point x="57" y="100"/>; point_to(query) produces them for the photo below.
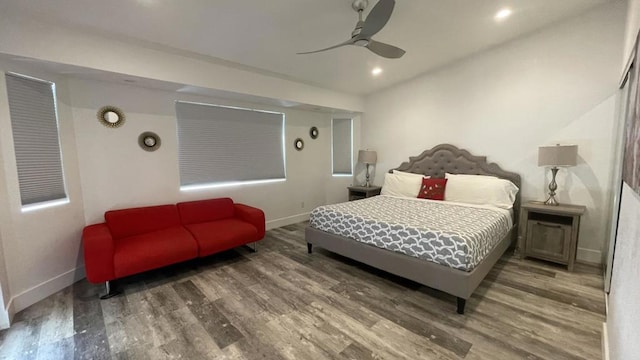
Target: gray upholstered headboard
<point x="448" y="158"/>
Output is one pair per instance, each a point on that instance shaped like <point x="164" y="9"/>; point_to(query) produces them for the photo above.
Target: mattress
<point x="452" y="234"/>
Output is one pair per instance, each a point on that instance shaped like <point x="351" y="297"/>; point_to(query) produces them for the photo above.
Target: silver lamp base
<point x="553" y="186"/>
<point x="366" y="184"/>
<point x="551" y="201"/>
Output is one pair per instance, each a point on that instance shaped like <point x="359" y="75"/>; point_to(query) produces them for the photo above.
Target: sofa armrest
<point x="251" y="215"/>
<point x="98" y="253"/>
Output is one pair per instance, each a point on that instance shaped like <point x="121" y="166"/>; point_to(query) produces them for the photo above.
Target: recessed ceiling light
<point x="376" y="71"/>
<point x="503" y="14"/>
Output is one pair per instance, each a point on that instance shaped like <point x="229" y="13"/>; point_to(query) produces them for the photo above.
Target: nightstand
<point x="550" y="232"/>
<point x="363" y="192"/>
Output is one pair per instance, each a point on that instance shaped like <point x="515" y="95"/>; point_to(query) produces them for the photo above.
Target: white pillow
<point x="420" y="176"/>
<point x="401" y="185"/>
<point x="470" y="176"/>
<point x="481" y="190"/>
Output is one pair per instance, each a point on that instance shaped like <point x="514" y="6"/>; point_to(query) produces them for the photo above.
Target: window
<point x="219" y="144"/>
<point x="342" y="146"/>
<point x="34" y="123"/>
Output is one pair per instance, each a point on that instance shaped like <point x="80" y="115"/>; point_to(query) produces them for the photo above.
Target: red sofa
<point x="134" y="240"/>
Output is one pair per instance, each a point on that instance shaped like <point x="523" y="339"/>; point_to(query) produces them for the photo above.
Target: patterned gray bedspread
<point x="452" y="234"/>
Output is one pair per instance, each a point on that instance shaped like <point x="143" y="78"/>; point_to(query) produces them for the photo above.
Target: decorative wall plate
<point x="149" y="141"/>
<point x="298" y="144"/>
<point x="111" y="116"/>
<point x="313" y="132"/>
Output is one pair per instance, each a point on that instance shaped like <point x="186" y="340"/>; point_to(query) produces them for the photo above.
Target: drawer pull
<point x="551" y="226"/>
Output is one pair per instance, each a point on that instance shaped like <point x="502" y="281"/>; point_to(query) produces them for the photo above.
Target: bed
<point x="457" y="275"/>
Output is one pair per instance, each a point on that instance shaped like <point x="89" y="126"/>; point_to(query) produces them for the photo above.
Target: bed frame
<point x="435" y="162"/>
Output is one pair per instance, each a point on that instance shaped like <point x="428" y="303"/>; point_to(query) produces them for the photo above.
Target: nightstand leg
<point x="309" y="248"/>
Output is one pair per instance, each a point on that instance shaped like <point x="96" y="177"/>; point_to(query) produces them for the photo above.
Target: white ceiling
<point x="264" y="35"/>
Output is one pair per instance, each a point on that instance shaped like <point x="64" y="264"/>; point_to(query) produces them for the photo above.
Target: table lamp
<point x="367" y="157"/>
<point x="556" y="156"/>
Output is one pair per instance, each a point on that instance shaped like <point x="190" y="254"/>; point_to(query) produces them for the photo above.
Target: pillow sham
<point x="432" y="189"/>
<point x="417" y="176"/>
<point x="401" y="185"/>
<point x="471" y="176"/>
<point x="480" y="190"/>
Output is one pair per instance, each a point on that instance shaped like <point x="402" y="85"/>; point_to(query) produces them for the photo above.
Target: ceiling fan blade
<point x="385" y="50"/>
<point x="348" y="42"/>
<point x="377" y="18"/>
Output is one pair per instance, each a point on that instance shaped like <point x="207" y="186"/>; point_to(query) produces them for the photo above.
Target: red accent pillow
<point x="432" y="189"/>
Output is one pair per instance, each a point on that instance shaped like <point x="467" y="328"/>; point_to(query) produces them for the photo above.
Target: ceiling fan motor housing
<point x="359" y="5"/>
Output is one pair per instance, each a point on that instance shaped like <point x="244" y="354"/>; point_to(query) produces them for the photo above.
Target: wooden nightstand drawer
<point x="550" y="232"/>
<point x="550" y="241"/>
<point x="362" y="192"/>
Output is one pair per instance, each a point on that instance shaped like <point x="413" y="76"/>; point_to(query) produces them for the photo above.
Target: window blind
<point x="219" y="144"/>
<point x="342" y="149"/>
<point x="35" y="138"/>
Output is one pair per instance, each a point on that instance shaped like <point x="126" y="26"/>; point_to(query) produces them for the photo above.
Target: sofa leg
<point x="309" y="248"/>
<point x="111" y="292"/>
<point x="253" y="246"/>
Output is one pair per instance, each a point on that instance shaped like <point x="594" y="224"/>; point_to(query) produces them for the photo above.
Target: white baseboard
<point x="46" y="288"/>
<point x="6" y="315"/>
<point x="589" y="256"/>
<point x="276" y="223"/>
<point x="605" y="342"/>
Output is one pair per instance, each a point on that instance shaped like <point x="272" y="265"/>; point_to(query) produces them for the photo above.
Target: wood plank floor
<point x="281" y="303"/>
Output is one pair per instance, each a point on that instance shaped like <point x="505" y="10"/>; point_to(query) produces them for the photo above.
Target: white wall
<point x="623" y="318"/>
<point x="35" y="38"/>
<point x="41" y="248"/>
<point x="5" y="232"/>
<point x="633" y="26"/>
<point x="556" y="85"/>
<point x="623" y="321"/>
<point x="116" y="173"/>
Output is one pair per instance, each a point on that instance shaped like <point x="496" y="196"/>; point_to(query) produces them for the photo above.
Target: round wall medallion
<point x="149" y="141"/>
<point x="313" y="132"/>
<point x="298" y="144"/>
<point x="111" y="116"/>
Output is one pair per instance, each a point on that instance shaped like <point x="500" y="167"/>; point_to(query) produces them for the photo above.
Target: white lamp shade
<point x="558" y="155"/>
<point x="367" y="156"/>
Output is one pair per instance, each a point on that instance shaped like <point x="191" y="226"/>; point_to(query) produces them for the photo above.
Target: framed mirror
<point x="111" y="116"/>
<point x="149" y="141"/>
<point x="313" y="132"/>
<point x="298" y="144"/>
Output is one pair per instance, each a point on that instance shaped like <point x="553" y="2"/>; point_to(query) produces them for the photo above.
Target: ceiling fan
<point x="361" y="35"/>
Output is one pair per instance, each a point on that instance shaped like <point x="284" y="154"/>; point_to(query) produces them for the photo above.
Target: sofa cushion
<point x="153" y="250"/>
<point x="194" y="212"/>
<point x="98" y="249"/>
<point x="252" y="215"/>
<point x="137" y="221"/>
<point x="216" y="236"/>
